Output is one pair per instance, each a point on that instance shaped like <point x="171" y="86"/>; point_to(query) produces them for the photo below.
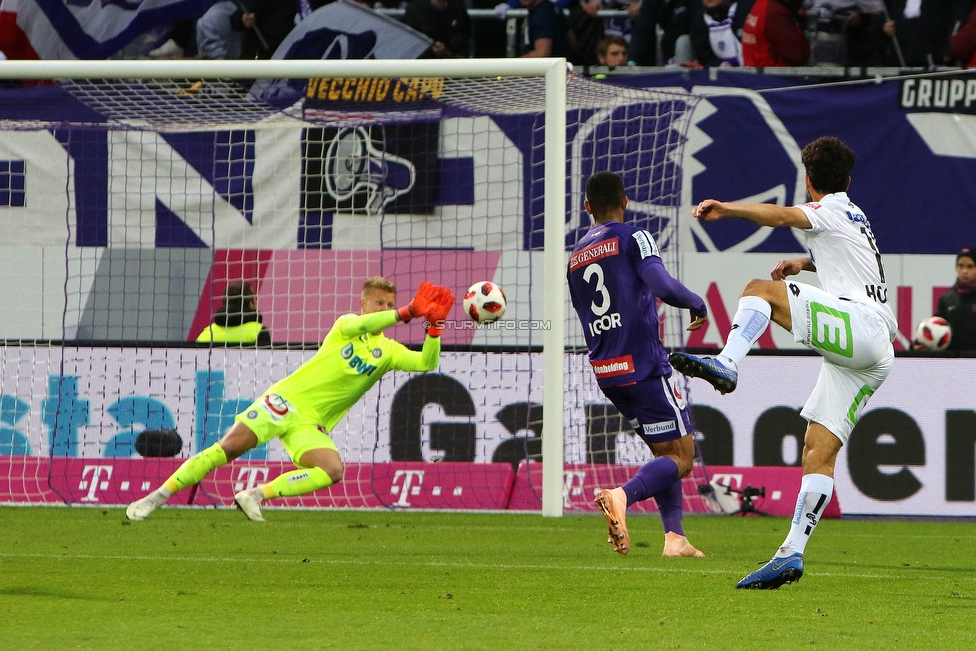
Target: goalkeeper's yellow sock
<point x="296" y="482"/>
<point x="195" y="469"/>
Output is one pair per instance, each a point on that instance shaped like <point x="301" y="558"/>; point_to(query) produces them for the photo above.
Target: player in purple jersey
<point x="615" y="278"/>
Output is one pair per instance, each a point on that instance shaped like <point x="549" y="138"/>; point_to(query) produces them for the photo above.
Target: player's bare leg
<point x="820" y="450"/>
<point x="669" y="500"/>
<point x="320" y="468"/>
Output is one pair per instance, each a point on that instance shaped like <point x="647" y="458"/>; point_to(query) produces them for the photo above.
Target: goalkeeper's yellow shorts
<point x="272" y="416"/>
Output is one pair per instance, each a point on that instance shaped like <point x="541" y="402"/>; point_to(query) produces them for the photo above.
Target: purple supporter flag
<point x="84" y="29"/>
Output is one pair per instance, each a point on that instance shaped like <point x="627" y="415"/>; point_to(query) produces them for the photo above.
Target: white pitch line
<point x="503" y="566"/>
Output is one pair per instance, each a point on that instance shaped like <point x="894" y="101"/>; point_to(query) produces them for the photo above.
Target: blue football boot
<point x="774" y="574"/>
<point x="707" y="368"/>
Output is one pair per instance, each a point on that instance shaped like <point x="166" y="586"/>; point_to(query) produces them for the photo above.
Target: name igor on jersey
<point x="343" y="370"/>
<point x="848" y="261"/>
<point x="616" y="308"/>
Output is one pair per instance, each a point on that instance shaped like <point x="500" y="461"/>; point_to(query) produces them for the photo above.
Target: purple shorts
<point x="655" y="409"/>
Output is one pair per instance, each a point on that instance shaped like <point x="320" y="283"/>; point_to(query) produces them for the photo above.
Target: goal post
<point x="515" y="207"/>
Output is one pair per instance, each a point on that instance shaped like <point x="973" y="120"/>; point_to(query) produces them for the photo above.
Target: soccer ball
<point x="485" y="302"/>
<point x="932" y="333"/>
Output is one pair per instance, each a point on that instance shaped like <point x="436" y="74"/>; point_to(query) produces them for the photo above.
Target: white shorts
<point x="855" y="344"/>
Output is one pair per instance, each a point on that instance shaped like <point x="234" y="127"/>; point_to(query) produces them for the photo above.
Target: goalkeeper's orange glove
<point x="439" y="311"/>
<point x="425" y="298"/>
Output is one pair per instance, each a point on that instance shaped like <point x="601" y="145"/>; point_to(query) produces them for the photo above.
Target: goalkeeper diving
<point x="304" y="407"/>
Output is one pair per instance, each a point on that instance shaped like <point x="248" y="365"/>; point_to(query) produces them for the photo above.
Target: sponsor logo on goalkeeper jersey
<point x="611" y="367"/>
<point x="593" y="253"/>
<point x="356" y="362"/>
<point x="375" y="89"/>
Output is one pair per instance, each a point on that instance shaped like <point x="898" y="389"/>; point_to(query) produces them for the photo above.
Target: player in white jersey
<point x="847" y="321"/>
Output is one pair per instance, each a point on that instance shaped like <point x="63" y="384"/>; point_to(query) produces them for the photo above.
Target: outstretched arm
<point x="355" y="325"/>
<point x="425" y="360"/>
<point x="763" y="214"/>
<point x="672" y="292"/>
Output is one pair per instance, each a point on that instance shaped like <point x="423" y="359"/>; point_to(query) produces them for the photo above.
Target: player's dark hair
<point x="605" y="192"/>
<point x="828" y="162"/>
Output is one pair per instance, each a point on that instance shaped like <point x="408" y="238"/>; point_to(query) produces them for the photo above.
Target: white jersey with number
<point x="843" y="248"/>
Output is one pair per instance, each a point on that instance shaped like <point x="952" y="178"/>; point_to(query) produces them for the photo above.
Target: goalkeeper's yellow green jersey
<point x="353" y="356"/>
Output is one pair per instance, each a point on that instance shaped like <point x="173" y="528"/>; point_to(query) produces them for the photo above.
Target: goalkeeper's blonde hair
<point x="380" y="283"/>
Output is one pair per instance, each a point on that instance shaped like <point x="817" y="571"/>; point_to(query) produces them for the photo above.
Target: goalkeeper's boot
<point x="774" y="573"/>
<point x="614" y="508"/>
<point x="676" y="545"/>
<point x="707" y="368"/>
<point x="249" y="504"/>
<point x="140" y="509"/>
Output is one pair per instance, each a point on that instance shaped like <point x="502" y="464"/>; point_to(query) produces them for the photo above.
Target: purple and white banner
<point x="84" y="29"/>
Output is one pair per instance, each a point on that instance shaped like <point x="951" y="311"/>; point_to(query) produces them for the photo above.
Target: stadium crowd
<point x="691" y="33"/>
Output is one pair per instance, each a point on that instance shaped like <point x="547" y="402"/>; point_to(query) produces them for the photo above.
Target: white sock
<point x="815" y="492"/>
<point x="163" y="492"/>
<point x="750" y="321"/>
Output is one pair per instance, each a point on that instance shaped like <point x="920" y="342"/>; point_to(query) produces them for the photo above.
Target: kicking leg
<point x="761" y="301"/>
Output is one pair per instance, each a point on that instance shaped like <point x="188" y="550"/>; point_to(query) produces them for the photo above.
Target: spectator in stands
<point x="611" y="51"/>
<point x="674" y="19"/>
<point x="265" y="24"/>
<point x="490" y="36"/>
<point x="446" y="22"/>
<point x="957" y="305"/>
<point x="215" y="37"/>
<point x="583" y="29"/>
<point x="849" y="32"/>
<point x="962" y="45"/>
<point x="866" y="40"/>
<point x="238" y="320"/>
<point x="617" y="25"/>
<point x="773" y="35"/>
<point x="548" y="32"/>
<point x="922" y="29"/>
<point x="716" y="32"/>
<point x="589" y="28"/>
<point x="179" y="44"/>
<point x="586" y="28"/>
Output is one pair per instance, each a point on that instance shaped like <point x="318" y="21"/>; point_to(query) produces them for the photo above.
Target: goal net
<point x="135" y="197"/>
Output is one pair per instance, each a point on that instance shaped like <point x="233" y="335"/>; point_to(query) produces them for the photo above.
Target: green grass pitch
<point x="84" y="578"/>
